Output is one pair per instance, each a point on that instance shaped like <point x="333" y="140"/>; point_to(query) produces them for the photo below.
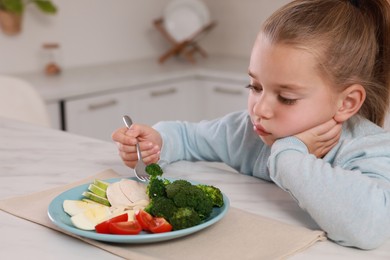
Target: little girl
<point x="318" y="94"/>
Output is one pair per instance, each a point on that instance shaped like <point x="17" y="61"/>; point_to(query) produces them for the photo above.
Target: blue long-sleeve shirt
<point x="347" y="192"/>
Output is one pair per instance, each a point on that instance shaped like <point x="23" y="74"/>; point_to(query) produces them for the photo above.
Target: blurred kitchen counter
<point x="81" y="81"/>
<point x="89" y="100"/>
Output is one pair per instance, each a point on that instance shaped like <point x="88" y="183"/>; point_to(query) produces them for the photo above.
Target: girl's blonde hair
<point x="351" y="40"/>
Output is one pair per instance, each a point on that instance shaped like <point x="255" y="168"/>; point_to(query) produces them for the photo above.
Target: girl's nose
<point x="263" y="107"/>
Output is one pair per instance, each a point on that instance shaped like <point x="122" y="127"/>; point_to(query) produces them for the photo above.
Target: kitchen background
<point x="101" y="31"/>
<point x="108" y="55"/>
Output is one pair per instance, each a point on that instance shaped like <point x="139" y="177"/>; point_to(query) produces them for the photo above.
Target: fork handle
<point x="128" y="123"/>
<point x="139" y="152"/>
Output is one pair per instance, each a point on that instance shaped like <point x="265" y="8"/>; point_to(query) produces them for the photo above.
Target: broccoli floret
<point x="154" y="170"/>
<point x="214" y="193"/>
<point x="184" y="218"/>
<point x="156" y="188"/>
<point x="166" y="182"/>
<point x="184" y="194"/>
<point x="181" y="203"/>
<point x="204" y="206"/>
<point x="161" y="207"/>
<point x="173" y="188"/>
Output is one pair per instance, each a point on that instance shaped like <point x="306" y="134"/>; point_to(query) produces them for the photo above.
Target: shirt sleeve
<point x="229" y="139"/>
<point x="347" y="194"/>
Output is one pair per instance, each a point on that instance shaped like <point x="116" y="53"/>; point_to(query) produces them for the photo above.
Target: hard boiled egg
<point x="74" y="207"/>
<point x="89" y="218"/>
<point x="86" y="215"/>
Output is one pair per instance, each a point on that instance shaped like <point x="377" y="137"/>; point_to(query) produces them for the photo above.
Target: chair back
<point x="19" y="100"/>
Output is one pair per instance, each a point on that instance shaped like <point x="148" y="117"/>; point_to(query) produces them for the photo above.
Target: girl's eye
<point x="283" y="100"/>
<point x="254" y="88"/>
<point x="287" y="101"/>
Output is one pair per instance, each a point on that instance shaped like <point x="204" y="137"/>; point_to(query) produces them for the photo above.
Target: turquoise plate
<point x="61" y="219"/>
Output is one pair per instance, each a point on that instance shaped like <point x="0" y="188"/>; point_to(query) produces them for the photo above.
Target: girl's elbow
<point x="363" y="239"/>
<point x="363" y="243"/>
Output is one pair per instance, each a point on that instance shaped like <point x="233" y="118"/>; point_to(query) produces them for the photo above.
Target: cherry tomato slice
<point x="160" y="225"/>
<point x="125" y="228"/>
<point x="103" y="228"/>
<point x="144" y="219"/>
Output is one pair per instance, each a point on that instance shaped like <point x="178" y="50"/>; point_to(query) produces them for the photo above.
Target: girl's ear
<point x="351" y="99"/>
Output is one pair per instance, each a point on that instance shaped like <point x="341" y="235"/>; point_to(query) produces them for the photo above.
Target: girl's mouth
<point x="260" y="130"/>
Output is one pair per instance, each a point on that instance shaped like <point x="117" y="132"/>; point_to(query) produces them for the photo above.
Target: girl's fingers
<point x="325" y="128"/>
<point x="129" y="153"/>
<point x="147" y="138"/>
<point x="331" y="134"/>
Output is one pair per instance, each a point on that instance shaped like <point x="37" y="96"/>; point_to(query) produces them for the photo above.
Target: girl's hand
<point x="321" y="139"/>
<point x="149" y="140"/>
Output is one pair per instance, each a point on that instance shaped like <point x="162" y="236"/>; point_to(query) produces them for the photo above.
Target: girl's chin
<point x="267" y="140"/>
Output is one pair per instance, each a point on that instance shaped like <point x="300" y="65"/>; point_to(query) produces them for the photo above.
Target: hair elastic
<point x="355" y="3"/>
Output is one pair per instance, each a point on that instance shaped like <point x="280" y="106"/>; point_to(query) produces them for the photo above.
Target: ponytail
<point x="378" y="11"/>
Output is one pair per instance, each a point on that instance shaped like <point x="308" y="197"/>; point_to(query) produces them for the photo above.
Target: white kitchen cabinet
<point x="223" y="97"/>
<point x="148" y="92"/>
<point x="167" y="101"/>
<point x="54" y="114"/>
<point x="98" y="116"/>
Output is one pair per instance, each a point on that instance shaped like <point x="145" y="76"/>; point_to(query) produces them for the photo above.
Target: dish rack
<point x="187" y="47"/>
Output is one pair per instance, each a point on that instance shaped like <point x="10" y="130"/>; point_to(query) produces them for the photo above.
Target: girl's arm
<point x="228" y="139"/>
<point x="347" y="193"/>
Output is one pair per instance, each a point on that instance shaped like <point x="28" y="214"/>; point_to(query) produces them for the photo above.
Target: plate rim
<point x="128" y="239"/>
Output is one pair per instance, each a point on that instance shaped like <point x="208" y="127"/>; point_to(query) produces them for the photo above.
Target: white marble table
<point x="34" y="159"/>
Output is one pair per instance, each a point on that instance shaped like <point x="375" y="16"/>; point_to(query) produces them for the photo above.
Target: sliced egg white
<point x="88" y="219"/>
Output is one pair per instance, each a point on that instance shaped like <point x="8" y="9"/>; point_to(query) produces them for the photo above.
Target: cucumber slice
<point x="97" y="190"/>
<point x="101" y="184"/>
<point x="96" y="198"/>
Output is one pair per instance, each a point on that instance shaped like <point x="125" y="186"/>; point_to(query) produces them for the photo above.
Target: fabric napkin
<point x="239" y="235"/>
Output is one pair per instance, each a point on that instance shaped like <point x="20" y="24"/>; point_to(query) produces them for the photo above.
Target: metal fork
<point x="139" y="169"/>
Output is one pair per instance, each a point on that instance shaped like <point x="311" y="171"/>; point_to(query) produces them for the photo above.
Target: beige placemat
<point x="239" y="235"/>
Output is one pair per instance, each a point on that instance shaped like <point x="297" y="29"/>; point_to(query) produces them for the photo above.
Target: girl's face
<point x="287" y="94"/>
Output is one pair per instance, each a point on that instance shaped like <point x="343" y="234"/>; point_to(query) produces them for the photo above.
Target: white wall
<point x="100" y="31"/>
<point x="238" y="24"/>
